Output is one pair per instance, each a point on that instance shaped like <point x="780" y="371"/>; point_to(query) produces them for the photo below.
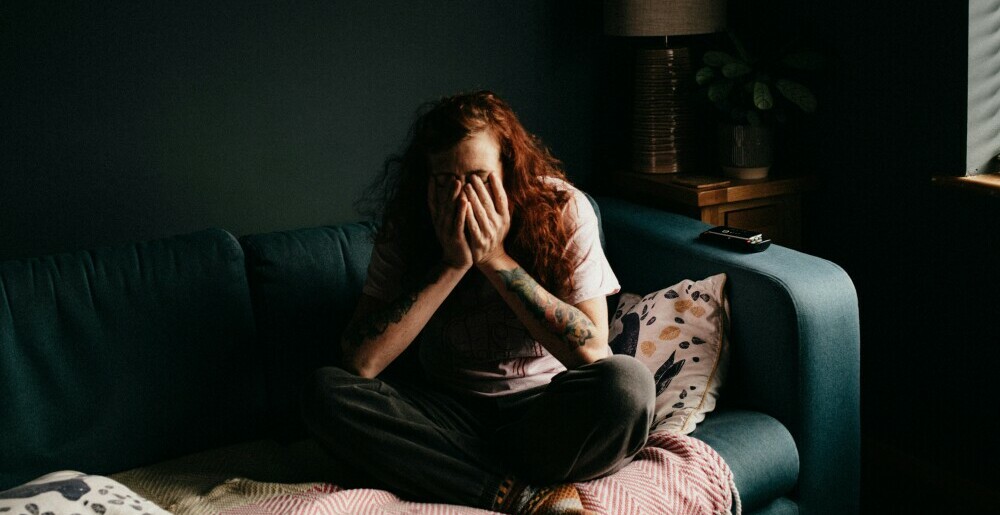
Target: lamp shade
<point x="663" y="17"/>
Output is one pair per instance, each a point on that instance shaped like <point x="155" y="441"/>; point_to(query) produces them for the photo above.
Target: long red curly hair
<point x="538" y="235"/>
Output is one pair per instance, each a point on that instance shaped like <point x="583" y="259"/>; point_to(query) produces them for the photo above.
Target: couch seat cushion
<point x="759" y="450"/>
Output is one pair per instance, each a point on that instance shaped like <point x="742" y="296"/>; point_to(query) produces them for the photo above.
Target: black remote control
<point x="737" y="239"/>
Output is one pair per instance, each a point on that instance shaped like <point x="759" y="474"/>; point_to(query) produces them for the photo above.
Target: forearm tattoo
<point x="563" y="320"/>
<point x="376" y="322"/>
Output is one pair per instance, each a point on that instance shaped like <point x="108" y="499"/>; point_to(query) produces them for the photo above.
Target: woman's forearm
<point x="568" y="333"/>
<point x="377" y="335"/>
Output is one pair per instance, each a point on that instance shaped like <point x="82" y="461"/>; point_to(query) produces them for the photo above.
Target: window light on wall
<point x="983" y="108"/>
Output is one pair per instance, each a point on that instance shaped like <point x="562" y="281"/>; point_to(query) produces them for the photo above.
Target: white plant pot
<point x="745" y="151"/>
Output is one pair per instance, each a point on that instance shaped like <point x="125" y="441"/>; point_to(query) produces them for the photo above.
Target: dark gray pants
<point x="428" y="444"/>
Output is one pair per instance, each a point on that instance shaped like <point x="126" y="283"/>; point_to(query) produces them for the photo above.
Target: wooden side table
<point x="770" y="206"/>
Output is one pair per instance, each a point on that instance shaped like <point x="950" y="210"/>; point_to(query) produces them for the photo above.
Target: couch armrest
<point x="795" y="338"/>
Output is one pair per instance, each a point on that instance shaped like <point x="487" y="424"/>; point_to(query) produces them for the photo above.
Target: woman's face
<point x="478" y="154"/>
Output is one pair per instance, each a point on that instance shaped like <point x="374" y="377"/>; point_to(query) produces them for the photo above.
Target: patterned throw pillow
<point x="69" y="492"/>
<point x="679" y="333"/>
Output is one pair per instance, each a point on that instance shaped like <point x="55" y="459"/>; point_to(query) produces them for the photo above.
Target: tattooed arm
<point x="575" y="335"/>
<point x="379" y="332"/>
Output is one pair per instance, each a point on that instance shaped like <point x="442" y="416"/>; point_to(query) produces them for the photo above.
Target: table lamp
<point x="663" y="125"/>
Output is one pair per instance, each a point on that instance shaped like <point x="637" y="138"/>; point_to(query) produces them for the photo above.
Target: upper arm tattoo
<point x="564" y="320"/>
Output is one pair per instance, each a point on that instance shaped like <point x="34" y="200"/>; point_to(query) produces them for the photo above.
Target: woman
<point x="491" y="260"/>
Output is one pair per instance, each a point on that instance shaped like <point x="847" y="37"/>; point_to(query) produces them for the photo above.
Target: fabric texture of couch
<point x="122" y="357"/>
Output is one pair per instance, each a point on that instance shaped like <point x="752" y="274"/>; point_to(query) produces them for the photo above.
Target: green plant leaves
<point x="717" y="58"/>
<point x="735" y="69"/>
<point x="797" y="94"/>
<point x="762" y="98"/>
<point x="718" y="92"/>
<point x="704" y="75"/>
<point x="752" y="90"/>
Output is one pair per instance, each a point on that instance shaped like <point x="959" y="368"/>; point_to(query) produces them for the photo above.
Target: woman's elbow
<point x="357" y="364"/>
<point x="595" y="353"/>
<point x="593" y="350"/>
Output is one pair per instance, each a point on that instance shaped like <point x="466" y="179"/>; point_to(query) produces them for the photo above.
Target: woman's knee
<point x="332" y="377"/>
<point x="323" y="395"/>
<point x="630" y="386"/>
<point x="325" y="380"/>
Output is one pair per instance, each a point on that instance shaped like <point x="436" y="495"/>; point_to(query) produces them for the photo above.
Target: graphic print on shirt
<point x="475" y="325"/>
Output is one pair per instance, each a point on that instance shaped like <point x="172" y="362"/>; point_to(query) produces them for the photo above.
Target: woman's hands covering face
<point x="487" y="221"/>
<point x="471" y="219"/>
<point x="449" y="211"/>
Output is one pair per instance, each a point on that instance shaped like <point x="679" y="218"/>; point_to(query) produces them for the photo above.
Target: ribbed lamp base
<point x="663" y="120"/>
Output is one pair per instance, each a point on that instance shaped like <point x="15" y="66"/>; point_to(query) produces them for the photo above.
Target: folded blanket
<point x="673" y="474"/>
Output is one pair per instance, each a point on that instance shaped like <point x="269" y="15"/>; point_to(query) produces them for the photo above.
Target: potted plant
<point x="752" y="94"/>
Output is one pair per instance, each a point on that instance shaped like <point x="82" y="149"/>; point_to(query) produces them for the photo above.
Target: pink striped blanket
<point x="673" y="474"/>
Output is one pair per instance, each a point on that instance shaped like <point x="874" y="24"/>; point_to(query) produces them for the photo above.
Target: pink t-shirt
<point x="475" y="342"/>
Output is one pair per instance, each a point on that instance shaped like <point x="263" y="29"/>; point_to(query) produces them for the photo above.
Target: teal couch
<point x="120" y="357"/>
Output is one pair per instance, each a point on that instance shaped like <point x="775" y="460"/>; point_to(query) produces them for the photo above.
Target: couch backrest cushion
<point x="117" y="357"/>
<point x="304" y="286"/>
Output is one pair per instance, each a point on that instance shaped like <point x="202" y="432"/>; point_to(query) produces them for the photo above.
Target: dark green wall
<point x="133" y="120"/>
